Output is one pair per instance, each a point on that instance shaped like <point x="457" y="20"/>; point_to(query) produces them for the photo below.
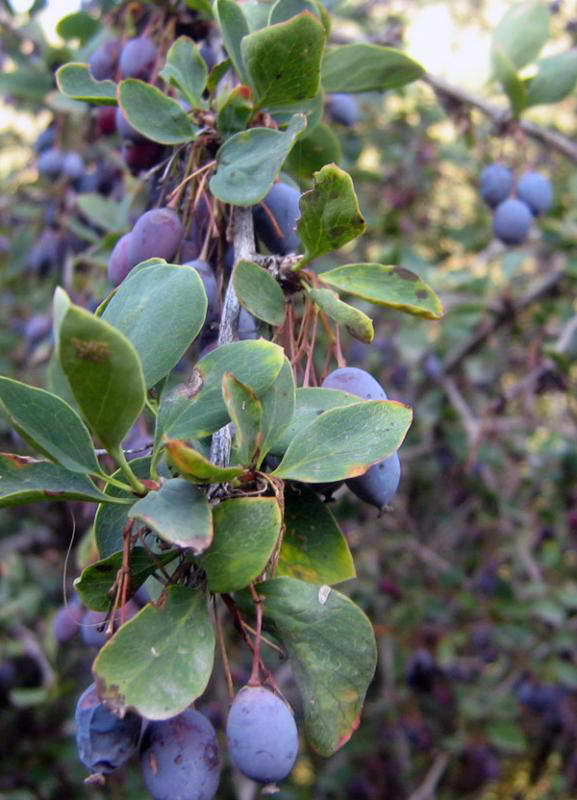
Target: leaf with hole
<point x="330" y="213"/>
<point x="75" y="81"/>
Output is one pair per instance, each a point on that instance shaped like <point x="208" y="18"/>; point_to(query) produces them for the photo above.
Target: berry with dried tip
<point x="262" y="735"/>
<point x="495" y="184"/>
<point x="512" y="221"/>
<point x="536" y="191"/>
<point x="157" y="234"/>
<point x="275" y="219"/>
<point x="180" y="758"/>
<point x="105" y="741"/>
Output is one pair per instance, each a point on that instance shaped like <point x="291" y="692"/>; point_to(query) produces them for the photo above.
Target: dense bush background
<point x="470" y="578"/>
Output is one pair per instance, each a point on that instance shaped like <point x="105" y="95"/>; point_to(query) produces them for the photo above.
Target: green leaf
<point x="313" y="109"/>
<point x="357" y="324"/>
<point x="161" y="660"/>
<point x="49" y="425"/>
<point x="278" y="404"/>
<point x="555" y="79"/>
<point x="104" y="372"/>
<point x="233" y="27"/>
<point x="235" y="112"/>
<point x="28" y="480"/>
<point x="160" y="324"/>
<point x="258" y="292"/>
<point x="283" y="61"/>
<point x="361" y="67"/>
<point x="312" y="151"/>
<point x="196" y="410"/>
<point x="522" y="32"/>
<point x="153" y="114"/>
<point x="110" y="519"/>
<point x="283" y="10"/>
<point x="514" y="87"/>
<point x="78" y="25"/>
<point x="330" y="213"/>
<point x="333" y="654"/>
<point x="391" y="287"/>
<point x="343" y="442"/>
<point x="249" y="162"/>
<point x="186" y="69"/>
<point x="109" y="215"/>
<point x="202" y="6"/>
<point x="75" y="80"/>
<point x="178" y="512"/>
<point x="507" y="735"/>
<point x="310" y="402"/>
<point x="30" y="85"/>
<point x="193" y="466"/>
<point x="245" y="411"/>
<point x="246" y="530"/>
<point x="97" y="581"/>
<point x="313" y="547"/>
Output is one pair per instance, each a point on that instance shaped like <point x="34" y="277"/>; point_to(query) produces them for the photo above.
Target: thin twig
<point x="426" y="791"/>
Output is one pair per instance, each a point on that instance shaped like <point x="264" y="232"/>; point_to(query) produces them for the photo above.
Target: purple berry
<point x="262" y="735"/>
<point x="512" y="221"/>
<point x="118" y="263"/>
<point x="157" y="234"/>
<point x="104" y="60"/>
<point x="275" y="219"/>
<point x="495" y="184"/>
<point x="344" y="109"/>
<point x="137" y="58"/>
<point x="180" y="758"/>
<point x="536" y="191"/>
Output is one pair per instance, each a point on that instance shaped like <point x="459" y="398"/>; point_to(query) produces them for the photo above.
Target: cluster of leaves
<point x="456" y="617"/>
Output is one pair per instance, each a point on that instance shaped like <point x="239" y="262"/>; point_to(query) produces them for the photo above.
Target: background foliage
<point x="470" y="579"/>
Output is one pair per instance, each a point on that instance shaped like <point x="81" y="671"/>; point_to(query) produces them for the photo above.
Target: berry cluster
<point x="513" y="215"/>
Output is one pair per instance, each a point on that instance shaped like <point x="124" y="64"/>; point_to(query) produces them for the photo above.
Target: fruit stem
<point x="254" y="679"/>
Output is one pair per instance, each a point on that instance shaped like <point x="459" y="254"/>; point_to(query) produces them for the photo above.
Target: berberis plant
<point x="225" y="509"/>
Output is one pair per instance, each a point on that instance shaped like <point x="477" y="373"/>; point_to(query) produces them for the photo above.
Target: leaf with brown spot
<point x="388" y="286"/>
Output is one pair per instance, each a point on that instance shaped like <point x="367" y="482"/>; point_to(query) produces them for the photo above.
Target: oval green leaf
<point x="178" y="512"/>
<point x="246" y="530"/>
<point x="313" y="547"/>
<point x="160" y="324"/>
<point x="75" y="80"/>
<point x="104" y="373"/>
<point x="27" y="480"/>
<point x="258" y="292"/>
<point x="49" y="425"/>
<point x="356" y="323"/>
<point x="193" y="466"/>
<point x="391" y="287"/>
<point x="186" y="69"/>
<point x="161" y="660"/>
<point x="555" y="79"/>
<point x="153" y="114"/>
<point x="278" y="405"/>
<point x="249" y="162"/>
<point x="367" y="68"/>
<point x="233" y="27"/>
<point x="332" y="651"/>
<point x="344" y="442"/>
<point x="283" y="61"/>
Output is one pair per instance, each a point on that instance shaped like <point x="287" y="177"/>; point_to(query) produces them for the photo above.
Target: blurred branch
<point x="507" y="314"/>
<point x="502" y="117"/>
<point x="427" y="789"/>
